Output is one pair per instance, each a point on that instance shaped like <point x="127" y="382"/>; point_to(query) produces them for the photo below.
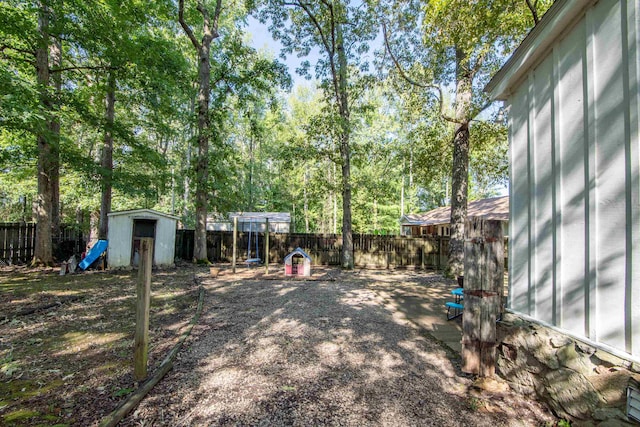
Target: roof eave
<point x="560" y="17"/>
<point x="139" y="212"/>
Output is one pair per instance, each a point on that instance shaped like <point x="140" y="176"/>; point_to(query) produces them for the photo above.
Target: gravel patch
<point x="323" y="352"/>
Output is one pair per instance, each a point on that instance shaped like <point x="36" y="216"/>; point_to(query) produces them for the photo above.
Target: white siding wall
<point x="575" y="181"/>
<point x="165" y="243"/>
<point x="120" y="238"/>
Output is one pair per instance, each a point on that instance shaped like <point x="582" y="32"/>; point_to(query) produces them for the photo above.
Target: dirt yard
<point x="266" y="351"/>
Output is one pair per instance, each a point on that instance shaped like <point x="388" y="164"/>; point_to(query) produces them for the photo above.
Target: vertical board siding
<point x="633" y="230"/>
<point x="610" y="175"/>
<point x="542" y="229"/>
<point x="575" y="195"/>
<point x="572" y="198"/>
<point x="519" y="201"/>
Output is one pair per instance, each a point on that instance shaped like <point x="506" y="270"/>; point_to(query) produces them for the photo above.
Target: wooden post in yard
<point x="141" y="343"/>
<point x="483" y="288"/>
<point x="266" y="247"/>
<point x="235" y="243"/>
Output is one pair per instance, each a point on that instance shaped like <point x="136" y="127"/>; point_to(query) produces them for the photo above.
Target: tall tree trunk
<point x="375" y="216"/>
<point x="460" y="167"/>
<point x="186" y="186"/>
<point x="306" y="203"/>
<point x="55" y="54"/>
<point x="345" y="152"/>
<point x="335" y="201"/>
<point x="94" y="227"/>
<point x="43" y="254"/>
<point x="402" y="197"/>
<point x="202" y="165"/>
<point x="210" y="32"/>
<point x="251" y="162"/>
<point x="106" y="156"/>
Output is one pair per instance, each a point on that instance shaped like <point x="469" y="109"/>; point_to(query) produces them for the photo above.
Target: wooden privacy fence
<point x="370" y="251"/>
<point x="17" y="242"/>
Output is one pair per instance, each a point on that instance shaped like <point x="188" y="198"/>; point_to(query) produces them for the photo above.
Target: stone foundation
<point x="578" y="381"/>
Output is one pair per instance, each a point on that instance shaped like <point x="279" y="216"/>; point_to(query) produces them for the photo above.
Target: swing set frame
<point x="256" y="260"/>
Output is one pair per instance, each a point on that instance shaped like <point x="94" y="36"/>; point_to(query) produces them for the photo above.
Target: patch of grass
<point x="79" y="348"/>
<point x="123" y="392"/>
<point x="20" y="415"/>
<point x="475" y="404"/>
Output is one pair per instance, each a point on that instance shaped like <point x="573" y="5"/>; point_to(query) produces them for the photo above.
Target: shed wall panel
<point x="571" y="148"/>
<point x="519" y="201"/>
<point x="543" y="183"/>
<point x="120" y="237"/>
<point x="165" y="242"/>
<point x="610" y="174"/>
<point x="633" y="227"/>
<point x="575" y="221"/>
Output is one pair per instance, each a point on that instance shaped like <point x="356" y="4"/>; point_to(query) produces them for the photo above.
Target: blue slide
<point x="97" y="250"/>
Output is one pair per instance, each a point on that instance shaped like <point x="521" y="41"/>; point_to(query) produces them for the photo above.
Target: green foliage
<point x="269" y="150"/>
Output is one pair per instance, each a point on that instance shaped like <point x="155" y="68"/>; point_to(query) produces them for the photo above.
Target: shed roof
<point x="142" y="213"/>
<point x="560" y="17"/>
<point x="297" y="251"/>
<point x="495" y="208"/>
<point x="261" y="216"/>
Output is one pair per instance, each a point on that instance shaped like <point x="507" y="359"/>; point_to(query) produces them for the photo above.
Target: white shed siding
<point x="165" y="242"/>
<point x="575" y="180"/>
<point x="120" y="237"/>
<point x="633" y="227"/>
<point x="571" y="170"/>
<point x="519" y="295"/>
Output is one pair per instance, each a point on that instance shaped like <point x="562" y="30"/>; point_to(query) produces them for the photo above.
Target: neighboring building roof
<point x="141" y="213"/>
<point x="560" y="16"/>
<point x="495" y="208"/>
<point x="297" y="251"/>
<point x="261" y="216"/>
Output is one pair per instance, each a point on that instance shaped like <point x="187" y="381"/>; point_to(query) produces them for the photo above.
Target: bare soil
<point x="267" y="351"/>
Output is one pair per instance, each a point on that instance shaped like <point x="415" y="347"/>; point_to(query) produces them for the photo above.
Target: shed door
<point x="141" y="228"/>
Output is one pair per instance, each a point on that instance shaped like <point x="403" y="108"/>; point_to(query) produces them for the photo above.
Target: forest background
<point x="106" y="105"/>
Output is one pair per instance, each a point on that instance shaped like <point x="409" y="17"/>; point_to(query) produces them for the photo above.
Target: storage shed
<point x="279" y="222"/>
<point x="572" y="90"/>
<point x="127" y="227"/>
<point x="297" y="263"/>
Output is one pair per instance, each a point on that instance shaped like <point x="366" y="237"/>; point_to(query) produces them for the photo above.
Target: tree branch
<point x="476" y="112"/>
<point x="314" y="21"/>
<point x="216" y="17"/>
<point x="413" y="82"/>
<point x="533" y="8"/>
<point x="15" y="58"/>
<point x="25" y="51"/>
<point x="86" y="67"/>
<point x="186" y="27"/>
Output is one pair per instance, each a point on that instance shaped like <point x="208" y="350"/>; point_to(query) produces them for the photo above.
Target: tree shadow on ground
<point x="270" y="352"/>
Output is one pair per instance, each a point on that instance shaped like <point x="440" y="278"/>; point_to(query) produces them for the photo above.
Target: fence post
<point x="235" y="243"/>
<point x="141" y="346"/>
<point x="483" y="288"/>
